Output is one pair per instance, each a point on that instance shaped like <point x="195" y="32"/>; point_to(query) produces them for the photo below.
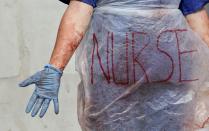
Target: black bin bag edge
<point x="65" y="1"/>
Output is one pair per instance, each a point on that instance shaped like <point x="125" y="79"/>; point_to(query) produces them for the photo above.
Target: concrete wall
<point x="27" y="34"/>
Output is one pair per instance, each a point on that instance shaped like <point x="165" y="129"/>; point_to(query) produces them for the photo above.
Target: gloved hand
<point x="47" y="83"/>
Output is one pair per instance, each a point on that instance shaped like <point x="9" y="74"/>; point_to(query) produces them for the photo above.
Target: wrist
<point x="57" y="64"/>
<point x="51" y="66"/>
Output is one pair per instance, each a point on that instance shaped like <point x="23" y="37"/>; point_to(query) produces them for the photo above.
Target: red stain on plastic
<point x="167" y="54"/>
<point x="110" y="65"/>
<point x="106" y="75"/>
<point x="113" y="67"/>
<point x="180" y="53"/>
<point x="135" y="60"/>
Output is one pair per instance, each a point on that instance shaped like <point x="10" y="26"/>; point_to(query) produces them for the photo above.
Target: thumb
<point x="31" y="80"/>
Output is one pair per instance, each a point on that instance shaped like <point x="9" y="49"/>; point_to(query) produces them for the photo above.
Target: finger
<point x="31" y="80"/>
<point x="56" y="106"/>
<point x="37" y="106"/>
<point x="44" y="107"/>
<point x="31" y="102"/>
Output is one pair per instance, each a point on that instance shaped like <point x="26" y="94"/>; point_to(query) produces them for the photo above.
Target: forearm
<point x="199" y="22"/>
<point x="71" y="30"/>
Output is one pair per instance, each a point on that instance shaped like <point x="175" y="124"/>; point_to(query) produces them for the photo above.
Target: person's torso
<point x="134" y="42"/>
<point x="142" y="35"/>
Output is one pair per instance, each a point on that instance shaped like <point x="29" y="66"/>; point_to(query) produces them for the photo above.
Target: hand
<point x="47" y="83"/>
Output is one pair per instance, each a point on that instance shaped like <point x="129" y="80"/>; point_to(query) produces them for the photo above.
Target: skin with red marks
<point x="72" y="28"/>
<point x="199" y="22"/>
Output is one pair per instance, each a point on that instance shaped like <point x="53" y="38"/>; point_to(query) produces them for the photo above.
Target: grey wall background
<point x="27" y="35"/>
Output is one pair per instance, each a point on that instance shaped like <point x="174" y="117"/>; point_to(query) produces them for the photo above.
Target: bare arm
<point x="72" y="28"/>
<point x="199" y="22"/>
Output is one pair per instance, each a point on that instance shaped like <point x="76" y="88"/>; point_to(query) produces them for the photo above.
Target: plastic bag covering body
<point x="142" y="69"/>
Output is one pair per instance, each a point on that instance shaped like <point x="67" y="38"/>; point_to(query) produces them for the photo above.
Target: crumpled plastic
<point x="142" y="68"/>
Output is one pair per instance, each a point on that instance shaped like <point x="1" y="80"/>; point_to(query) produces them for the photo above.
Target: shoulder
<point x="192" y="6"/>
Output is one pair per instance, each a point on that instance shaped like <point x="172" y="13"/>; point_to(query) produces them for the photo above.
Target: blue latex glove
<point x="47" y="83"/>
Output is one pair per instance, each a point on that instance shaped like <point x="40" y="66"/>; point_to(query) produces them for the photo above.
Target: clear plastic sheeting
<point x="142" y="69"/>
